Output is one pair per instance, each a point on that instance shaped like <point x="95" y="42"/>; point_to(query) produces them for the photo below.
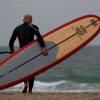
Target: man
<point x="25" y="34"/>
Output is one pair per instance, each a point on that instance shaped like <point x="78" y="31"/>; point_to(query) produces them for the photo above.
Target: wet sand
<point x="50" y="96"/>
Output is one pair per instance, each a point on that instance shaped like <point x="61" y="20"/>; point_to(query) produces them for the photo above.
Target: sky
<point x="47" y="14"/>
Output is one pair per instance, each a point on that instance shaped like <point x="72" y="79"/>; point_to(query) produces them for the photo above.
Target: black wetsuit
<point x="25" y="35"/>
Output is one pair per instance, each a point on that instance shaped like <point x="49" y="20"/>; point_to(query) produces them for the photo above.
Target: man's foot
<point x="24" y="90"/>
<point x="30" y="91"/>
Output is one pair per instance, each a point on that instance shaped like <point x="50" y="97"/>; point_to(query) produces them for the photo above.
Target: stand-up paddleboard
<point x="62" y="42"/>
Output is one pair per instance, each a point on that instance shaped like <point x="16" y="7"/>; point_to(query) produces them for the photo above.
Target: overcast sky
<point x="47" y="14"/>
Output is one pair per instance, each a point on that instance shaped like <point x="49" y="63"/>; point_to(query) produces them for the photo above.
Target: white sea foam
<point x="59" y="86"/>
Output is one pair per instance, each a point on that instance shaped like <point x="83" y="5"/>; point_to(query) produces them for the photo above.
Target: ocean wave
<point x="58" y="86"/>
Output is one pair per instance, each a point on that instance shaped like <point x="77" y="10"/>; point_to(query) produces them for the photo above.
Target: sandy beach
<point x="50" y="96"/>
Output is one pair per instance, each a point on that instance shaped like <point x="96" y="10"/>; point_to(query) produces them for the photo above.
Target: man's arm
<point x="38" y="35"/>
<point x="40" y="40"/>
<point x="12" y="40"/>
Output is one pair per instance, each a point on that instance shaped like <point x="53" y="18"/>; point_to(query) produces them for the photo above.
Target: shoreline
<point x="51" y="96"/>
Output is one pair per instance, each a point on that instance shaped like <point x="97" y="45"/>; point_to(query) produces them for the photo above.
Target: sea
<point x="78" y="73"/>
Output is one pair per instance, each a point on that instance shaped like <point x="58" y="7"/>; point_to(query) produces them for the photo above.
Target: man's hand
<point x="45" y="51"/>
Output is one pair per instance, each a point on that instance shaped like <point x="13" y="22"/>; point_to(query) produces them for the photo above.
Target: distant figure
<point x="25" y="34"/>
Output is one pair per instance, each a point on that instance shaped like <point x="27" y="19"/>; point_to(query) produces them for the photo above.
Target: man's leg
<point x="31" y="83"/>
<point x="25" y="87"/>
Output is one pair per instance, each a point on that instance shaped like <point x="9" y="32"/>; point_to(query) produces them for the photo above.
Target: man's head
<point x="27" y="18"/>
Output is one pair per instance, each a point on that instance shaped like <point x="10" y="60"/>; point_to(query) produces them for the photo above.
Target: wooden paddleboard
<point x="62" y="42"/>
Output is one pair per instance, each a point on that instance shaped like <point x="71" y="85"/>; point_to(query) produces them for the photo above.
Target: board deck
<point x="62" y="42"/>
